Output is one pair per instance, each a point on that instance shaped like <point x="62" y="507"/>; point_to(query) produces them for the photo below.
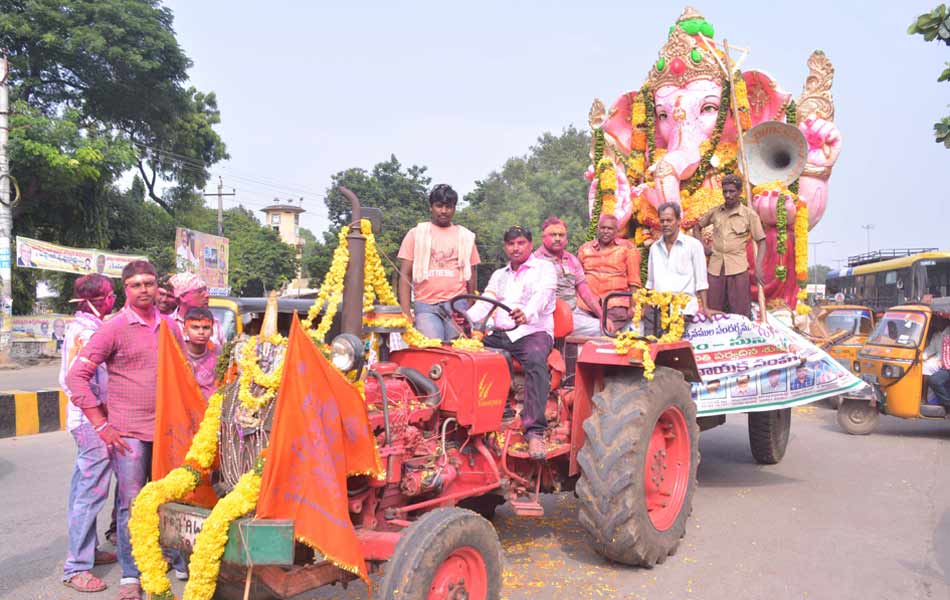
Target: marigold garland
<point x="251" y="372"/>
<point x="671" y="319"/>
<point x="209" y="544"/>
<point x="144" y="523"/>
<point x="606" y="200"/>
<point x="742" y="102"/>
<point x="178" y="483"/>
<point x="801" y="241"/>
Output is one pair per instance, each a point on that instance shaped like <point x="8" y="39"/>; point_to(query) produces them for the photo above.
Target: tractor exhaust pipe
<point x="351" y="319"/>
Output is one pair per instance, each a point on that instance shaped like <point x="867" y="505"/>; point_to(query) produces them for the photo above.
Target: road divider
<point x="26" y="413"/>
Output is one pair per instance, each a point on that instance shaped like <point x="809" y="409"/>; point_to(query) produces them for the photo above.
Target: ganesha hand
<point x="824" y="142"/>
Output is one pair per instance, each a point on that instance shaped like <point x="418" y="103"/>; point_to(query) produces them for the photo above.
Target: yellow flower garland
<point x="607" y="186"/>
<point x="143" y="526"/>
<point x="144" y="521"/>
<point x="209" y="544"/>
<point x="671" y="318"/>
<point x="742" y="101"/>
<point x="698" y="204"/>
<point x="801" y="241"/>
<point x="251" y="372"/>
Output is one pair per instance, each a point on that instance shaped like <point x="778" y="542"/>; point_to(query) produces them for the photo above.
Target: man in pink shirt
<point x="192" y="292"/>
<point x="571" y="279"/>
<point x="92" y="473"/>
<point x="201" y="354"/>
<point x="437" y="262"/>
<point x="128" y="346"/>
<point x="527" y="285"/>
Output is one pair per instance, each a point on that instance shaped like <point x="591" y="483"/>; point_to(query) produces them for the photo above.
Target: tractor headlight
<point x="856" y="366"/>
<point x="346" y="352"/>
<point x="892" y="371"/>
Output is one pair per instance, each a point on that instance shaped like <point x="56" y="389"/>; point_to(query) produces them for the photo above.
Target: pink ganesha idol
<point x="674" y="138"/>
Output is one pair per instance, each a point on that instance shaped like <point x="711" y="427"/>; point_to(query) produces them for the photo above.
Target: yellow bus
<point x="886" y="278"/>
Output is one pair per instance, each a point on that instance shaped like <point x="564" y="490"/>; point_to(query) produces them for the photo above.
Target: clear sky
<point x="307" y="89"/>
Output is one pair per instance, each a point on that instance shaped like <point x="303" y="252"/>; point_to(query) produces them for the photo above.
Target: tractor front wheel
<point x="448" y="554"/>
<point x="768" y="435"/>
<point x="638" y="466"/>
<point x="857" y="417"/>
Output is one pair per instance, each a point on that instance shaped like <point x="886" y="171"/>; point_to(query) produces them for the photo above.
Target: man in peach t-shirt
<point x="437" y="262"/>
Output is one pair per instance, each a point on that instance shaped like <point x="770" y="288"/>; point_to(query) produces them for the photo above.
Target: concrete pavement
<point x="841" y="517"/>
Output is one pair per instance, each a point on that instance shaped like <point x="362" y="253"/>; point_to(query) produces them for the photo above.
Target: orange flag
<point x="179" y="408"/>
<point x="320" y="435"/>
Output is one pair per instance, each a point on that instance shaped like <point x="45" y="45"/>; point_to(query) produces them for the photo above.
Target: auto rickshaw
<point x="245" y="315"/>
<point x="904" y="346"/>
<point x="858" y="321"/>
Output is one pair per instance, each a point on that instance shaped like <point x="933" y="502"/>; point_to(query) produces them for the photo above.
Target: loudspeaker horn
<point x="776" y="152"/>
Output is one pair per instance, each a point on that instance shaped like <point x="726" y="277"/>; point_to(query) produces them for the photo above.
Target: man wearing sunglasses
<point x="527" y="285"/>
<point x="128" y="347"/>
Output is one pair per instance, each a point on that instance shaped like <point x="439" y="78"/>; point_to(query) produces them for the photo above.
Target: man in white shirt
<point x="527" y="285"/>
<point x="677" y="262"/>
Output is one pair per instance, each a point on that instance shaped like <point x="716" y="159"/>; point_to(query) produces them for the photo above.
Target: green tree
<point x="400" y="193"/>
<point x="117" y="65"/>
<point x="818" y="273"/>
<point x="548" y="181"/>
<point x="935" y="25"/>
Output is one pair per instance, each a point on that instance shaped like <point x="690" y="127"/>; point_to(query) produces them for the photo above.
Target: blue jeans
<point x="940" y="384"/>
<point x="88" y="493"/>
<point x="131" y="471"/>
<point x="435" y="320"/>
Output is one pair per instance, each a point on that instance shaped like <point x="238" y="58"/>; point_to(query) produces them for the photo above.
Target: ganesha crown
<point x="684" y="58"/>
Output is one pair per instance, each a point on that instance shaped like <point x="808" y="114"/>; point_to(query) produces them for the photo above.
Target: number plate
<point x="179" y="527"/>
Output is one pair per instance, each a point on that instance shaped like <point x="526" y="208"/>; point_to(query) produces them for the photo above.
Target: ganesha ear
<point x="617" y="125"/>
<point x="767" y="101"/>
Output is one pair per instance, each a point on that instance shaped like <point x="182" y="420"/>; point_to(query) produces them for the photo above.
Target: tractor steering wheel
<point x="496" y="304"/>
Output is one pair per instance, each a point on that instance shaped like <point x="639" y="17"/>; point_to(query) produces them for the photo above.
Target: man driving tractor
<point x="527" y="285"/>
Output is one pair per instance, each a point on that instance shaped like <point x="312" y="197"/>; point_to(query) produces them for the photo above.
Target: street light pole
<point x="814" y="252"/>
<point x="6" y="222"/>
<point x="867" y="228"/>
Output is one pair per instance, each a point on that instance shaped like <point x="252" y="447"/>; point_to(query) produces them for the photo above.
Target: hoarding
<point x="36" y="254"/>
<point x="204" y="254"/>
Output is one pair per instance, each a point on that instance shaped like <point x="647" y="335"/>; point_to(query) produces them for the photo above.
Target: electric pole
<point x="867" y="228"/>
<point x="6" y="221"/>
<point x="220" y="194"/>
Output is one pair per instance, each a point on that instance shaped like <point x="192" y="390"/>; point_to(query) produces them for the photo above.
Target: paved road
<point x="30" y="379"/>
<point x="841" y="517"/>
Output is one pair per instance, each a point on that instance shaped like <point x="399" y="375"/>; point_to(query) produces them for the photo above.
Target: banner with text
<point x="748" y="366"/>
<point x="34" y="254"/>
<point x="204" y="254"/>
<point x="48" y="328"/>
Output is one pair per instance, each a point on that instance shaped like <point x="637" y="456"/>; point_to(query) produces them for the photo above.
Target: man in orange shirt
<point x="437" y="262"/>
<point x="611" y="265"/>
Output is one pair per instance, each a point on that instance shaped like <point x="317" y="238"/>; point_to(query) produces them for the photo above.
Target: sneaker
<point x="181" y="575"/>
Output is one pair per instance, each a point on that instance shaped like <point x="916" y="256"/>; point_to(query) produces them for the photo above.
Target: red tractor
<point x="626" y="445"/>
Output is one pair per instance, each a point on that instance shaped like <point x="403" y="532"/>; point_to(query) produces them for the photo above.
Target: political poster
<point x="748" y="366"/>
<point x="51" y="328"/>
<point x="206" y="255"/>
<point x="36" y="254"/>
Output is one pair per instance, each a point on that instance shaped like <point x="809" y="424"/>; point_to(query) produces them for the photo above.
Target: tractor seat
<point x="563" y="325"/>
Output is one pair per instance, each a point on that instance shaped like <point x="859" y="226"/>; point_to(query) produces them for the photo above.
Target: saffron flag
<point x="179" y="408"/>
<point x="321" y="434"/>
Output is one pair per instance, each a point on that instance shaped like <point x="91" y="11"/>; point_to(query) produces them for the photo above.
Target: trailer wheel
<point x="768" y="435"/>
<point x="638" y="466"/>
<point x="448" y="553"/>
<point x="857" y="417"/>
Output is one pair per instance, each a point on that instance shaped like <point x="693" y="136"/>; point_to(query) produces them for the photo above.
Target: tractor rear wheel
<point x="638" y="466"/>
<point x="857" y="417"/>
<point x="448" y="553"/>
<point x="768" y="435"/>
